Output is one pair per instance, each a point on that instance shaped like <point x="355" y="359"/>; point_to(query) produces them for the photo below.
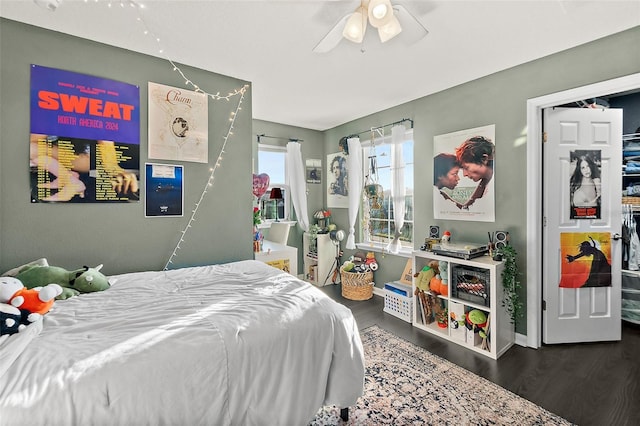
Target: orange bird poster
<point x="586" y="259"/>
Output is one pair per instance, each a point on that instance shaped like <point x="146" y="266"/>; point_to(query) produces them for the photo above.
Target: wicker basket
<point x="357" y="286"/>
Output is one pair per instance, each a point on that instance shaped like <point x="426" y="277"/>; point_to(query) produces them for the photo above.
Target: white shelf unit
<point x="501" y="331"/>
<point x="319" y="259"/>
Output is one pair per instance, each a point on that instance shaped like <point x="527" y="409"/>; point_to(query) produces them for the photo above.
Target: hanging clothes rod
<point x="279" y="138"/>
<point x="380" y="127"/>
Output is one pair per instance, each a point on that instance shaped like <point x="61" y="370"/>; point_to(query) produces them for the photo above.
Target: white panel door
<point x="589" y="311"/>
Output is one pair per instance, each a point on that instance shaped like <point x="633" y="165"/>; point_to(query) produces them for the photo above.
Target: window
<point x="272" y="161"/>
<point x="377" y="224"/>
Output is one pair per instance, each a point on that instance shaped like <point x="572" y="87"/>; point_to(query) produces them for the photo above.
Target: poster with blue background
<point x="85" y="138"/>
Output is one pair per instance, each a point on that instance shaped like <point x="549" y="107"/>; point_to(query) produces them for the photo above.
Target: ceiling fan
<point x="388" y="19"/>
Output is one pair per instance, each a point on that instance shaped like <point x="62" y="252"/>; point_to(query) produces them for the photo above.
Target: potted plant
<point x="442" y="317"/>
<point x="511" y="284"/>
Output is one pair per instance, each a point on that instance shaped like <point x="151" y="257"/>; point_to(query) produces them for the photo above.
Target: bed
<point x="240" y="343"/>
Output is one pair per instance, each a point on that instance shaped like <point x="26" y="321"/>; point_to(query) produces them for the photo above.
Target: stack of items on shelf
<point x="631" y="168"/>
<point x="430" y="283"/>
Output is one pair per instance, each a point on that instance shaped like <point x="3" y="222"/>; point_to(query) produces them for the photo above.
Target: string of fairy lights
<point x="147" y="31"/>
<point x="209" y="181"/>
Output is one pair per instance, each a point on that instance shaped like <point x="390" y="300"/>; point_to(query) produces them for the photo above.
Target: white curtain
<point x="354" y="185"/>
<point x="296" y="180"/>
<point x="398" y="189"/>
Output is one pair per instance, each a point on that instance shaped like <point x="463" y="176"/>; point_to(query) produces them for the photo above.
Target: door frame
<point x="534" y="232"/>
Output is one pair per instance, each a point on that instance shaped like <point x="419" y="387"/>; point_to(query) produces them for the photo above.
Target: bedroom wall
<point x="312" y="146"/>
<point x="118" y="235"/>
<point x="498" y="99"/>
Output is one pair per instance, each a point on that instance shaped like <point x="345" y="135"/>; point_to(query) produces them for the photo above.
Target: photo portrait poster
<point x="585" y="185"/>
<point x="337" y="178"/>
<point x="463" y="175"/>
<point x="178" y="124"/>
<point x="314" y="170"/>
<point x="84" y="144"/>
<point x="586" y="259"/>
<point x="164" y="190"/>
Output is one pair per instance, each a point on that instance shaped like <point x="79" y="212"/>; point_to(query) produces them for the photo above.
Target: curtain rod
<point x="278" y="137"/>
<point x="380" y="127"/>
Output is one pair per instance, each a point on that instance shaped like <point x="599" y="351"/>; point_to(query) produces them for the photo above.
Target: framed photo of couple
<point x="463" y="175"/>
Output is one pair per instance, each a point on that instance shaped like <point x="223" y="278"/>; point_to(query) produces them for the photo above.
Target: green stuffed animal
<point x="424" y="276"/>
<point x="85" y="280"/>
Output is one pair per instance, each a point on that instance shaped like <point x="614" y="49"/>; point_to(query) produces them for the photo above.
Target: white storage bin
<point x="398" y="300"/>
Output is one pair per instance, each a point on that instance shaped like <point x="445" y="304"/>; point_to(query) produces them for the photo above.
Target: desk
<point x="279" y="256"/>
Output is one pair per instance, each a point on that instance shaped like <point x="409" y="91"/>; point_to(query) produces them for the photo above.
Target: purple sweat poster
<point x="84" y="143"/>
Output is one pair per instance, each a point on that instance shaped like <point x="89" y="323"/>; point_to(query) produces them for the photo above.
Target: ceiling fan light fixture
<point x="380" y="12"/>
<point x="390" y="30"/>
<point x="356" y="26"/>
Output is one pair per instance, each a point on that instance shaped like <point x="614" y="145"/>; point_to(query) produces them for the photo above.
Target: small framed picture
<point x="314" y="170"/>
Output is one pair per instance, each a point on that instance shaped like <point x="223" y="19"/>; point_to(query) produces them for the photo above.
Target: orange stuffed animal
<point x="36" y="301"/>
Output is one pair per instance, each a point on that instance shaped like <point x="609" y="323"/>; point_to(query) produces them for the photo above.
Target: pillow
<point x="13" y="272"/>
<point x="12" y="346"/>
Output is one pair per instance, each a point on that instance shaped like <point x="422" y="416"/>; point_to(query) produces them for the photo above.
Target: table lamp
<point x="275" y="195"/>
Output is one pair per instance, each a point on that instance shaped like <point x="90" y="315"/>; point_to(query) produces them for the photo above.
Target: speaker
<point x="434" y="231"/>
<point x="501" y="239"/>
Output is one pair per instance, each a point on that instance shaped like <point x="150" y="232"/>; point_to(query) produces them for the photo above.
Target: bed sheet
<point x="234" y="344"/>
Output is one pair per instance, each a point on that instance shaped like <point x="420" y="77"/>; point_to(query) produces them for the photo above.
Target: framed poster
<point x="585" y="185"/>
<point x="337" y="178"/>
<point x="314" y="170"/>
<point x="164" y="191"/>
<point x="178" y="124"/>
<point x="84" y="144"/>
<point x="463" y="170"/>
<point x="586" y="259"/>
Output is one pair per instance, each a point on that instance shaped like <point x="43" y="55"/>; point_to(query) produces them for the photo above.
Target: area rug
<point x="407" y="385"/>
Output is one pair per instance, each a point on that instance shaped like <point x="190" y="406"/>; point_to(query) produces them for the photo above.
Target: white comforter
<point x="233" y="344"/>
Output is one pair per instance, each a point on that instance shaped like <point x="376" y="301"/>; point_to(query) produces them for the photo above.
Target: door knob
<point x="617" y="236"/>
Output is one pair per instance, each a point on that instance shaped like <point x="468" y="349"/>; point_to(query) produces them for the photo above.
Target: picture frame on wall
<point x="337" y="178"/>
<point x="463" y="182"/>
<point x="164" y="190"/>
<point x="314" y="170"/>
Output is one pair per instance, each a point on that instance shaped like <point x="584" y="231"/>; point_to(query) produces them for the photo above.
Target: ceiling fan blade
<point x="412" y="29"/>
<point x="333" y="37"/>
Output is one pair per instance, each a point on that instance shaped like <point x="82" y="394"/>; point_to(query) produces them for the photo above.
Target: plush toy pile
<point x="360" y="263"/>
<point x="28" y="292"/>
<point x="84" y="280"/>
<point x="20" y="306"/>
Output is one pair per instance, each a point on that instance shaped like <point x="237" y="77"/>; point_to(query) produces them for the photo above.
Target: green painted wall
<point x="118" y="235"/>
<point x="498" y="99"/>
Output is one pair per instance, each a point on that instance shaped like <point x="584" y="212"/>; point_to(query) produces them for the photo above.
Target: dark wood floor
<point x="588" y="384"/>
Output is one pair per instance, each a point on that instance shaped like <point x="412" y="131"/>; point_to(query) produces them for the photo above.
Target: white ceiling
<point x="269" y="43"/>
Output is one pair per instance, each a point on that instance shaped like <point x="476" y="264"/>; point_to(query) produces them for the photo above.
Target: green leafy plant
<point x="257" y="219"/>
<point x="511" y="284"/>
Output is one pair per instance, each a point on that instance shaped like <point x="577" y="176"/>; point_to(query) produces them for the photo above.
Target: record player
<point x="460" y="250"/>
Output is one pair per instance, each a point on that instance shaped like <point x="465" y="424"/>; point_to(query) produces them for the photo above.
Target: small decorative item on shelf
<point x="323" y="218"/>
<point x="442" y="318"/>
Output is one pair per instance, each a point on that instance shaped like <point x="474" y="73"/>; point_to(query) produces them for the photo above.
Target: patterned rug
<point x="407" y="385"/>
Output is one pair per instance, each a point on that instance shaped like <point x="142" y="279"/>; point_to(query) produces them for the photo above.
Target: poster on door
<point x="586" y="259"/>
<point x="463" y="168"/>
<point x="84" y="144"/>
<point x="585" y="185"/>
